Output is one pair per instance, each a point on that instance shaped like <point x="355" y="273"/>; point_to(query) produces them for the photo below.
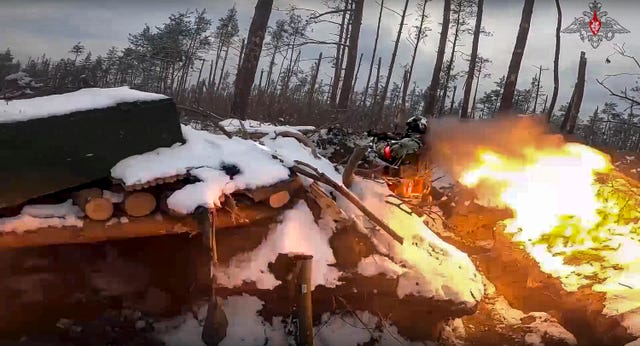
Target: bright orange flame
<point x="580" y="229"/>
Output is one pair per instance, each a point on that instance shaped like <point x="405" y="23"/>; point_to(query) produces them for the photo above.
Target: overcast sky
<point x="33" y="27"/>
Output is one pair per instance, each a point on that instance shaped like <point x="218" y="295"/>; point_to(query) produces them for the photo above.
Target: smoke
<point x="454" y="143"/>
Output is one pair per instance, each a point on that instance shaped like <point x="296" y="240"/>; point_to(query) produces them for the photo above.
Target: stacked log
<point x="93" y="204"/>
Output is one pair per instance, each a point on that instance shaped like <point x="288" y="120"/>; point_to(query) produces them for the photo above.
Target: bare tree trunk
<point x="385" y="88"/>
<point x="314" y="79"/>
<point x="215" y="67"/>
<point x="556" y="59"/>
<point x="355" y="78"/>
<point x="464" y="112"/>
<point x="432" y="89"/>
<point x="210" y="74"/>
<point x="247" y="75"/>
<point x="241" y="52"/>
<point x="224" y="64"/>
<point x="569" y="123"/>
<point x="272" y="63"/>
<point x="377" y="85"/>
<point x="400" y="113"/>
<point x="200" y="72"/>
<point x="373" y="56"/>
<point x="506" y="102"/>
<point x="277" y="80"/>
<point x="337" y="71"/>
<point x="407" y="77"/>
<point x="447" y="78"/>
<point x="260" y="80"/>
<point x="453" y="98"/>
<point x="289" y="73"/>
<point x="352" y="56"/>
<point x="475" y="93"/>
<point x="535" y="102"/>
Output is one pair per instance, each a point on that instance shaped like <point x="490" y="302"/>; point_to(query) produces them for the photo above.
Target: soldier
<point x="405" y="155"/>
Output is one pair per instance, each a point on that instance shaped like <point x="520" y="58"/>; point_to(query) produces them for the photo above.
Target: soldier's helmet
<point x="417" y="124"/>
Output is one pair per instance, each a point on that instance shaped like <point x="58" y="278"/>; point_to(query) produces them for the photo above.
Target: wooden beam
<point x="148" y="226"/>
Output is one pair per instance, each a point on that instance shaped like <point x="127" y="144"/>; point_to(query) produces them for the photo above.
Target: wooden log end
<point x="99" y="209"/>
<point x="279" y="199"/>
<point x="139" y="204"/>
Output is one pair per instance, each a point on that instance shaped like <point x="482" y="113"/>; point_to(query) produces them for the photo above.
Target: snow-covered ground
<point x="253" y="126"/>
<point x="247" y="328"/>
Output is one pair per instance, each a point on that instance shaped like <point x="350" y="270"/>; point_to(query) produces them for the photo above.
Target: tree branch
<point x="329" y="12"/>
<point x="612" y="93"/>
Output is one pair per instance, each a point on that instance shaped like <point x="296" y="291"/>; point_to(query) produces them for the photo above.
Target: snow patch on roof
<point x="81" y="100"/>
<point x="296" y="233"/>
<point x="203" y="155"/>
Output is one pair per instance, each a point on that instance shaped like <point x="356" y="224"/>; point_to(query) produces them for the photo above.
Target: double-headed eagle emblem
<point x="595" y="26"/>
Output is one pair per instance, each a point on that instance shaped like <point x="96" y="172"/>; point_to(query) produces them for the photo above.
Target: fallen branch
<point x="300" y="138"/>
<point x="313" y="173"/>
<point x="208" y="114"/>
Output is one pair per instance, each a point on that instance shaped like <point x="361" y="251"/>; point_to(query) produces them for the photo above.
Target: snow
<point x="204" y="155"/>
<point x="253" y="126"/>
<point x="297" y="232"/>
<point x="52" y="210"/>
<point x="245" y="327"/>
<point x="15" y="76"/>
<point x="113" y="196"/>
<point x="376" y="264"/>
<point x="533" y="339"/>
<point x="434" y="268"/>
<point x="431" y="267"/>
<point x="41" y="216"/>
<point x="81" y="100"/>
<point x="348" y="330"/>
<point x="345" y="330"/>
<point x="23" y="80"/>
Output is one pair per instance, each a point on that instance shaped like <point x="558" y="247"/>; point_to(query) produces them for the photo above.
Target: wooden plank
<point x="148" y="226"/>
<point x="45" y="155"/>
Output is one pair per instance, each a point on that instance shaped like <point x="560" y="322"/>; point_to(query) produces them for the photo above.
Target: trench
<point x="518" y="278"/>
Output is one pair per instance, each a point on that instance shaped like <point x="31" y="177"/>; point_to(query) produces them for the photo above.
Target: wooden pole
<point x="304" y="307"/>
<point x="215" y="325"/>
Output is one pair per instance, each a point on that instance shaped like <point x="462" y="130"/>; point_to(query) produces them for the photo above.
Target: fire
<point x="572" y="212"/>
